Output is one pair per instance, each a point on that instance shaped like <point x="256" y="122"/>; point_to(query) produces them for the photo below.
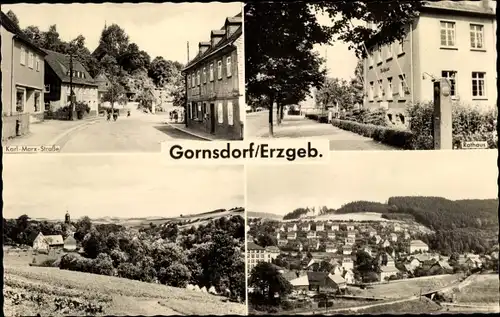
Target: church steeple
<point x="67" y="218"/>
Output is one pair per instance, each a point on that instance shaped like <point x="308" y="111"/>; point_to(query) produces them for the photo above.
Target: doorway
<point x="212" y="118"/>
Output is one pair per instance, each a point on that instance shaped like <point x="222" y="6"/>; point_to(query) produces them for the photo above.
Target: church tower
<point x="67" y="218"/>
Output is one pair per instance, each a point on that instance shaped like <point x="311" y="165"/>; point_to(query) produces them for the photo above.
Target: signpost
<point x="443" y="137"/>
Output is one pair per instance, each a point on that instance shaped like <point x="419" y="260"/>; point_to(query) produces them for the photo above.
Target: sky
<point x="45" y="186"/>
<point x="373" y="176"/>
<point x="340" y="61"/>
<point x="160" y="29"/>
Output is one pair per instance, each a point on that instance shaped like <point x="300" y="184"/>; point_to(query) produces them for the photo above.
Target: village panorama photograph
<point x="121" y="77"/>
<point x="408" y="232"/>
<point x="95" y="235"/>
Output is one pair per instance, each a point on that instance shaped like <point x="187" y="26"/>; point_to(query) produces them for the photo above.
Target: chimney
<point x="216" y="36"/>
<point x="487" y="5"/>
<point x="203" y="47"/>
<point x="232" y="24"/>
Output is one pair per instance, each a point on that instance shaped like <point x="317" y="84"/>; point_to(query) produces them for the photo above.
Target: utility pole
<point x="71" y="92"/>
<point x="188" y="51"/>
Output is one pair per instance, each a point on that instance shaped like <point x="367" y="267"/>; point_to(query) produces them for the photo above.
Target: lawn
<point x="409" y="287"/>
<point x="483" y="289"/>
<point x="90" y="294"/>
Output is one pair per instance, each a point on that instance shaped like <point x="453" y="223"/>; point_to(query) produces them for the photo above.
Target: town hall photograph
<point x="407" y="232"/>
<point x="101" y="235"/>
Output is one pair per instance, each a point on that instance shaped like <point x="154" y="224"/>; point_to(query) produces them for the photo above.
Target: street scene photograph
<point x="416" y="235"/>
<point x="420" y="78"/>
<point x="111" y="77"/>
<point x="93" y="235"/>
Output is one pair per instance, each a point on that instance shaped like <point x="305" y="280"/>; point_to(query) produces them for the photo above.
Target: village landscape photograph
<point x="415" y="235"/>
<point x="96" y="235"/>
<point x="372" y="75"/>
<point x="115" y="77"/>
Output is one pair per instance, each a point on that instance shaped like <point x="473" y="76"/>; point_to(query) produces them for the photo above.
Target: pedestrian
<point x="176" y="116"/>
<point x="330" y="115"/>
<point x="109" y="115"/>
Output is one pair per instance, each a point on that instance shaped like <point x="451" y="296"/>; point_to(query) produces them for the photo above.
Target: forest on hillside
<point x="469" y="225"/>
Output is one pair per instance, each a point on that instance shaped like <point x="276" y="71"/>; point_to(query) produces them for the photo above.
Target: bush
<point x="469" y="124"/>
<point x="317" y="117"/>
<point x="390" y="136"/>
<point x="176" y="274"/>
<point x="103" y="265"/>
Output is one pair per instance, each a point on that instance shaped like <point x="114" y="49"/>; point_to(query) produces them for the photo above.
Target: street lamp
<point x="71" y="92"/>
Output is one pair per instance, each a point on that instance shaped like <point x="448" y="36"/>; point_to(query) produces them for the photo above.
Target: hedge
<point x="318" y="117"/>
<point x="395" y="137"/>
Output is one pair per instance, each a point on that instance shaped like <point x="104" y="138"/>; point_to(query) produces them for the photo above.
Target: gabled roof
<point x="337" y="279"/>
<point x="464" y="7"/>
<point x="7" y="23"/>
<point x="54" y="239"/>
<point x="226" y="41"/>
<point x="60" y="64"/>
<point x="300" y="281"/>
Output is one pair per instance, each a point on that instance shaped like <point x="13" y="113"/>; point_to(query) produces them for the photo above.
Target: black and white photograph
<point x="117" y="77"/>
<point x="373" y="75"/>
<point x="406" y="233"/>
<point x="121" y="235"/>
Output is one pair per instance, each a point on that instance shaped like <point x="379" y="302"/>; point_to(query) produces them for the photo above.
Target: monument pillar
<point x="443" y="134"/>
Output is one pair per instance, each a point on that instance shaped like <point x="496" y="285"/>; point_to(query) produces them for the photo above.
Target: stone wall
<point x="10" y="123"/>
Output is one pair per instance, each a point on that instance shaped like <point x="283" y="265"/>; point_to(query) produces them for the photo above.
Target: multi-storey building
<point x="22" y="80"/>
<point x="455" y="40"/>
<point x="58" y="82"/>
<point x="255" y="254"/>
<point x="215" y="83"/>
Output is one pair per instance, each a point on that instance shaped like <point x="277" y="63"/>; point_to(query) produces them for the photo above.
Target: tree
<point x="115" y="94"/>
<point x="282" y="65"/>
<point x="114" y="42"/>
<point x="177" y="275"/>
<point x="13" y="17"/>
<point x="51" y="40"/>
<point x="266" y="278"/>
<point x="357" y="83"/>
<point x="34" y="34"/>
<point x="162" y="71"/>
<point x="265" y="240"/>
<point x="83" y="227"/>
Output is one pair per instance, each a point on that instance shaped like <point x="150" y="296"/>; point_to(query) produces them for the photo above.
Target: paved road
<point x="300" y="127"/>
<point x="137" y="133"/>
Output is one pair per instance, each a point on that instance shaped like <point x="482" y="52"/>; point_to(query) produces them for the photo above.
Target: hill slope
<point x="264" y="215"/>
<point x="116" y="296"/>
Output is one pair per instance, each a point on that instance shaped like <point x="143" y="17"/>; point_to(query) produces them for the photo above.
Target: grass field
<point x="423" y="306"/>
<point x="409" y="287"/>
<point x="75" y="293"/>
<point x="483" y="289"/>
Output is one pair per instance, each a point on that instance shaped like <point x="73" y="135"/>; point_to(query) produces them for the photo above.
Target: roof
<point x="417" y="242"/>
<point x="460" y="7"/>
<point x="253" y="246"/>
<point x="300" y="281"/>
<point x="54" y="239"/>
<point x="337" y="279"/>
<point x="10" y="26"/>
<point x="272" y="249"/>
<point x="60" y="64"/>
<point x="70" y="240"/>
<point x="226" y="41"/>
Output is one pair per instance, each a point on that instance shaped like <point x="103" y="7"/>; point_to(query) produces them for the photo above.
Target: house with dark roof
<point x="215" y="83"/>
<point x="103" y="85"/>
<point x="22" y="80"/>
<point x="58" y="83"/>
<point x="452" y="40"/>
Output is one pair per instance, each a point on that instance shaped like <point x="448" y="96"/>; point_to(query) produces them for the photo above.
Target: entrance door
<point x="212" y="118"/>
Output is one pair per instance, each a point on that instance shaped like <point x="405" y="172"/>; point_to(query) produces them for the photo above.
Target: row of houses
<point x="45" y="243"/>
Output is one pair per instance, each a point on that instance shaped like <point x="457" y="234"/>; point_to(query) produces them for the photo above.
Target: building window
<point x="370" y="92"/>
<point x="380" y="89"/>
<point x="189" y="81"/>
<point x="20" y="93"/>
<point x="389" y="88"/>
<point x="451" y="75"/>
<point x="204" y="75"/>
<point x="193" y="80"/>
<point x="198" y="79"/>
<point x="230" y="113"/>
<point x="47" y="88"/>
<point x="476" y="36"/>
<point x="447" y="34"/>
<point x="31" y="61"/>
<point x="212" y="72"/>
<point x="478" y="86"/>
<point x="37" y="101"/>
<point x="23" y="56"/>
<point x="379" y="55"/>
<point x="37" y="64"/>
<point x="370" y="60"/>
<point x="389" y="51"/>
<point x="228" y="66"/>
<point x="219" y="70"/>
<point x="402" y="86"/>
<point x="220" y="113"/>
